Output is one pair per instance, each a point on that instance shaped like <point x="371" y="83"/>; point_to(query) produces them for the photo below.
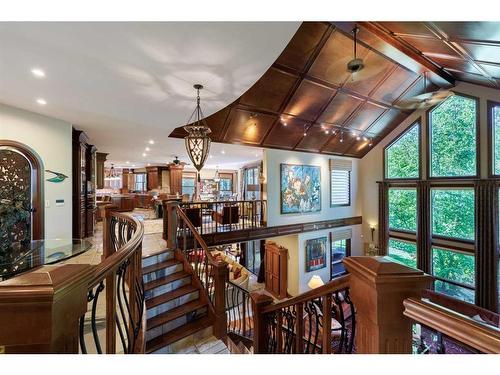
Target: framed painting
<point x="300" y="188"/>
<point x="316" y="253"/>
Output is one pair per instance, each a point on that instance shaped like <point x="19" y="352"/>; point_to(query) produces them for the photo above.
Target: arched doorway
<point x="21" y="192"/>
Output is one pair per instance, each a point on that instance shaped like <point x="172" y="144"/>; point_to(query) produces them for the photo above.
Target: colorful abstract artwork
<point x="316" y="253"/>
<point x="300" y="188"/>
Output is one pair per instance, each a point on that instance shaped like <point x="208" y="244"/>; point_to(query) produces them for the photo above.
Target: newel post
<point x="170" y="223"/>
<point x="221" y="275"/>
<point x="378" y="288"/>
<point x="40" y="310"/>
<point x="260" y="337"/>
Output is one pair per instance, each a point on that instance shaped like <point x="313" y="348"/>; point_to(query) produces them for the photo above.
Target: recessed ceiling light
<point x="144" y="154"/>
<point x="127" y="162"/>
<point x="41" y="101"/>
<point x="223" y="152"/>
<point x="38" y="72"/>
<point x="149" y="164"/>
<point x="327" y="132"/>
<point x="285" y="124"/>
<point x="147" y="149"/>
<point x="358" y="138"/>
<point x="210" y="156"/>
<point x="133" y="165"/>
<point x="151" y="142"/>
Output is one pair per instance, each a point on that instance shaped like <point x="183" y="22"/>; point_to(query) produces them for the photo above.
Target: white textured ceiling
<point x="125" y="83"/>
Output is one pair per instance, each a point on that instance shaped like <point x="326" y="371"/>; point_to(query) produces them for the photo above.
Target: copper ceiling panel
<point x="331" y="63"/>
<point x="456" y="64"/>
<point x="340" y="108"/>
<point x="394" y="86"/>
<point x="335" y="146"/>
<point x="314" y="139"/>
<point x="365" y="116"/>
<point x="387" y="122"/>
<point x="288" y="136"/>
<point x="492" y="69"/>
<point x="430" y="46"/>
<point x="375" y="70"/>
<point x="302" y="45"/>
<point x="486" y="31"/>
<point x="270" y="91"/>
<point x="248" y="127"/>
<point x="308" y="101"/>
<point x="483" y="52"/>
<point x="410" y="28"/>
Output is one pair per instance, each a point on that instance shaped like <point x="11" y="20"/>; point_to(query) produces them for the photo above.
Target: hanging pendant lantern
<point x="197" y="141"/>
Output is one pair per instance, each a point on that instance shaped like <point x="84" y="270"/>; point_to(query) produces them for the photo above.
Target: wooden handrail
<point x="464" y="329"/>
<point x="112" y="262"/>
<point x="196" y="235"/>
<point x="330" y="287"/>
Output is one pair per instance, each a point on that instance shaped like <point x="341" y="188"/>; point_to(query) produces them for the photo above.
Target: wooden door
<point x="276" y="264"/>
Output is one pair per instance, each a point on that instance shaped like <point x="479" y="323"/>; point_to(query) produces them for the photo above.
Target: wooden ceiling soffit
<point x="307" y="99"/>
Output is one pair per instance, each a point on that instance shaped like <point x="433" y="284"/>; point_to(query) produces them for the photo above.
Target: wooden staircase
<point x="175" y="306"/>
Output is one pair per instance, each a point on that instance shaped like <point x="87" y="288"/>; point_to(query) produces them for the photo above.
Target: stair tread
<point x="156" y="253"/>
<point x="177" y="334"/>
<point x="159" y="266"/>
<point x="174" y="313"/>
<point x="165" y="297"/>
<point x="165" y="280"/>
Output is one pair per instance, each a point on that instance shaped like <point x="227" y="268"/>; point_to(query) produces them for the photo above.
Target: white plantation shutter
<point x="340" y="182"/>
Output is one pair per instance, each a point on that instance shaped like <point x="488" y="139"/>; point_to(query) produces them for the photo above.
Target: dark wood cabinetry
<point x="100" y="160"/>
<point x="84" y="179"/>
<point x="176" y="178"/>
<point x="276" y="263"/>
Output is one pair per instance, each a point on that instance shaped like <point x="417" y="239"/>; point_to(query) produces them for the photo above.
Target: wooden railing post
<point x="378" y="288"/>
<point x="221" y="275"/>
<point x="108" y="249"/>
<point x="170" y="215"/>
<point x="40" y="310"/>
<point x="260" y="337"/>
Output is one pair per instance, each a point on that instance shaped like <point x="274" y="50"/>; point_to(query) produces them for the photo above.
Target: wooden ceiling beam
<point x="378" y="38"/>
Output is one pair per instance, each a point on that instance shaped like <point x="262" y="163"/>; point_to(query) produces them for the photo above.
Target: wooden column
<point x="486" y="249"/>
<point x="424" y="240"/>
<point x="100" y="160"/>
<point x="40" y="310"/>
<point x="170" y="216"/>
<point x="260" y="336"/>
<point x="221" y="274"/>
<point x="382" y="218"/>
<point x="176" y="178"/>
<point x="378" y="288"/>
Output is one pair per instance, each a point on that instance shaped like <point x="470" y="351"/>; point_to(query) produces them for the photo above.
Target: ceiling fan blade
<point x="426" y="100"/>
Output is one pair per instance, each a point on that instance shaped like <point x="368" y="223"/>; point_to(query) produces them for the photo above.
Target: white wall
<point x="371" y="166"/>
<point x="272" y="161"/>
<point x="51" y="140"/>
<point x="297" y="276"/>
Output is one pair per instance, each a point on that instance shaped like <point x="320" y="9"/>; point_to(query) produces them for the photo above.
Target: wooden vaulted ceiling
<point x="308" y="101"/>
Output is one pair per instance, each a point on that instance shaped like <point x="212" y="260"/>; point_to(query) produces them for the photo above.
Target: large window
<point x="430" y="219"/>
<point x="251" y="183"/>
<point x="340" y="188"/>
<point x="453" y="213"/>
<point x="338" y="251"/>
<point x="226" y="185"/>
<point x="188" y="183"/>
<point x="340" y="182"/>
<point x="452" y="130"/>
<point x="403" y="209"/>
<point x="454" y="272"/>
<point x="140" y="182"/>
<point x="402" y="251"/>
<point x="403" y="155"/>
